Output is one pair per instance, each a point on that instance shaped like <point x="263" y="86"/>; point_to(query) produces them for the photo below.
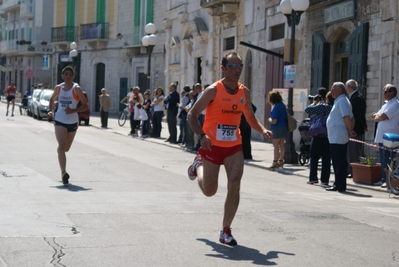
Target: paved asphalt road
<point x="130" y="203"/>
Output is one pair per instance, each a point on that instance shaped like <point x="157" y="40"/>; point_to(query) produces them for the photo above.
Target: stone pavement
<point x="262" y="152"/>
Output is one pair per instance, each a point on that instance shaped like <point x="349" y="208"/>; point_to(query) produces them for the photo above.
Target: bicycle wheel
<point x="302" y="158"/>
<point x="393" y="179"/>
<point x="122" y="119"/>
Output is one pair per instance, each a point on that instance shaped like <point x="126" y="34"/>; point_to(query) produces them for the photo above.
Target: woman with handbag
<point x="320" y="147"/>
<point x="279" y="127"/>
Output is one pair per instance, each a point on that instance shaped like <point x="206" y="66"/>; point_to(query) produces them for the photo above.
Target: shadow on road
<point x="241" y="253"/>
<point x="71" y="187"/>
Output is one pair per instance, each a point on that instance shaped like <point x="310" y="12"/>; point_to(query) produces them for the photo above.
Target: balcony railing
<point x="64" y="34"/>
<point x="9" y="5"/>
<point x="215" y="3"/>
<point x="8" y="46"/>
<point x="26" y="10"/>
<point x="34" y="47"/>
<point x="94" y="31"/>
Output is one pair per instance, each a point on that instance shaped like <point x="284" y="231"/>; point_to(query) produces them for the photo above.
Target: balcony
<point x="217" y="3"/>
<point x="26" y="10"/>
<point x="63" y="36"/>
<point x="36" y="47"/>
<point x="8" y="47"/>
<point x="3" y="14"/>
<point x="94" y="33"/>
<point x="10" y="5"/>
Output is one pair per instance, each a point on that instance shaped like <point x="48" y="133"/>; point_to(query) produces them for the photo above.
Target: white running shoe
<point x="225" y="237"/>
<point x="192" y="170"/>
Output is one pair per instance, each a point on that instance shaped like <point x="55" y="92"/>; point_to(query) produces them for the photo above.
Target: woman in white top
<point x="65" y="114"/>
<point x="157" y="104"/>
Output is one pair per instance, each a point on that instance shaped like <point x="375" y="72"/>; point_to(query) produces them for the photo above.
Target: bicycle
<point x="391" y="141"/>
<point x="123" y="115"/>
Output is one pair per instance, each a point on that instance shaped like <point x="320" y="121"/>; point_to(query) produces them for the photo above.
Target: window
<point x="229" y="43"/>
<point x="143" y="14"/>
<point x="277" y="32"/>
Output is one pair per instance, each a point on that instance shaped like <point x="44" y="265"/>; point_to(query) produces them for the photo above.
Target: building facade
<point x="25" y="43"/>
<point x="110" y="54"/>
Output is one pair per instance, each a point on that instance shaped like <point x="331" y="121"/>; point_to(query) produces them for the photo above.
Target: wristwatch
<point x="200" y="136"/>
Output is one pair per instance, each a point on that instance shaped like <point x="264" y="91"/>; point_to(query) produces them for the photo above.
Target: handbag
<point x="291" y="121"/>
<point x="318" y="126"/>
<point x="292" y="124"/>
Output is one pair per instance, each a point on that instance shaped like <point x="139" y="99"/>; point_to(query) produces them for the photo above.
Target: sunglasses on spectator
<point x="387" y="91"/>
<point x="235" y="65"/>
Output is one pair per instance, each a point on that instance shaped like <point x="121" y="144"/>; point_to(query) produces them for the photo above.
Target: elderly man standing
<point x="340" y="129"/>
<point x="105" y="104"/>
<point x="359" y="114"/>
<point x="388" y="122"/>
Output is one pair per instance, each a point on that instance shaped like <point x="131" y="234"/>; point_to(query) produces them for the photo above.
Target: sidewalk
<point x="262" y="152"/>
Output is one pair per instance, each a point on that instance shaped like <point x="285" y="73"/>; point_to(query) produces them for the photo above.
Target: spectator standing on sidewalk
<point x="220" y="138"/>
<point x="339" y="130"/>
<point x="147" y="107"/>
<point x="105" y="105"/>
<point x="320" y="146"/>
<point x="388" y="122"/>
<point x="157" y="105"/>
<point x="190" y="144"/>
<point x="185" y="99"/>
<point x="246" y="132"/>
<point x="355" y="149"/>
<point x="279" y="126"/>
<point x="171" y="102"/>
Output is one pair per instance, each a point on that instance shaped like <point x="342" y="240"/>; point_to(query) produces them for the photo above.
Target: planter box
<point x="365" y="174"/>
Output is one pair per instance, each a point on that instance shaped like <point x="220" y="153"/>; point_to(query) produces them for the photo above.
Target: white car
<point x="41" y="103"/>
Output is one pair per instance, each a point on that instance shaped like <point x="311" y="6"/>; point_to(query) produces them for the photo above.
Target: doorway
<point x="100" y="82"/>
<point x="341" y="59"/>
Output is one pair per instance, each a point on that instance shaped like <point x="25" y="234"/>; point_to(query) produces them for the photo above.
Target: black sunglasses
<point x="235" y="65"/>
<point x="387" y="91"/>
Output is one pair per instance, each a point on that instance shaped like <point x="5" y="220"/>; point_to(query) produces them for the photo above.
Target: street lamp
<point x="293" y="10"/>
<point x="74" y="54"/>
<point x="149" y="41"/>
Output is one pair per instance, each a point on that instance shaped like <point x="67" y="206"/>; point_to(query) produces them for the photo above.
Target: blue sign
<point x="289" y="76"/>
<point x="45" y="62"/>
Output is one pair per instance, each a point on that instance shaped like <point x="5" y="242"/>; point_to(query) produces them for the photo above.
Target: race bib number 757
<point x="226" y="132"/>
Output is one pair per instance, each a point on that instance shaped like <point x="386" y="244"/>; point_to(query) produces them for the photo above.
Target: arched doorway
<point x="100" y="83"/>
<point x="341" y="49"/>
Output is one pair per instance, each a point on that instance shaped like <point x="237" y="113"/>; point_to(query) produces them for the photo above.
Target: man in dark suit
<point x="171" y="106"/>
<point x="355" y="149"/>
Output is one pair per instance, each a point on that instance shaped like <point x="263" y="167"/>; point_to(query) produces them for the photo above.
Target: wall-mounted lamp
<point x="119" y="36"/>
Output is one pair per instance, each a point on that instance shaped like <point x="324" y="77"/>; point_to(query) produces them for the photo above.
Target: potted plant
<point x="367" y="171"/>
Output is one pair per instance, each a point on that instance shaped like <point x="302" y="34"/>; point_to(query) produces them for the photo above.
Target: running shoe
<point x="12" y="114"/>
<point x="7" y="113"/>
<point x="192" y="170"/>
<point x="225" y="237"/>
<point x="65" y="177"/>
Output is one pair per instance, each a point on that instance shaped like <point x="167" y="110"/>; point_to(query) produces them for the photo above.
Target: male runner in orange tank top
<point x="220" y="138"/>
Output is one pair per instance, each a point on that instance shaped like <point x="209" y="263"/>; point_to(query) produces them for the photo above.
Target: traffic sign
<point x="29" y="73"/>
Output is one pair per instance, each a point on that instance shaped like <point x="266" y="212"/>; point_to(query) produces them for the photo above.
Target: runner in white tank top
<point x="66" y="117"/>
<point x="66" y="99"/>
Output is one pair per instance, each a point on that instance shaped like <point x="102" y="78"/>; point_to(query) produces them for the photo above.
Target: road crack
<point x="58" y="254"/>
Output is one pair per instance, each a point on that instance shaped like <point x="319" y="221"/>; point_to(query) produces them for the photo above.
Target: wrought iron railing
<point x="64" y="34"/>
